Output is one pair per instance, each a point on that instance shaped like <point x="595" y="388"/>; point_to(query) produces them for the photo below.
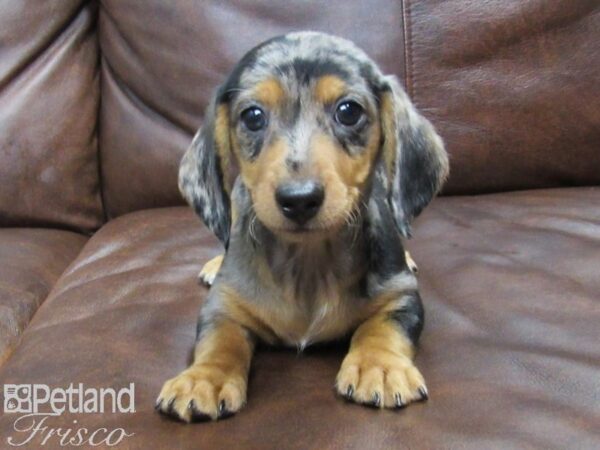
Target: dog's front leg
<point x="378" y="369"/>
<point x="214" y="386"/>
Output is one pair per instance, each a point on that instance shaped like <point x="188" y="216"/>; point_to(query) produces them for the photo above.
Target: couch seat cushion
<point x="510" y="348"/>
<point x="31" y="260"/>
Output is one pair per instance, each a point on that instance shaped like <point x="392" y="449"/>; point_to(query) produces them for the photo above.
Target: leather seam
<point x="407" y="48"/>
<point x="99" y="117"/>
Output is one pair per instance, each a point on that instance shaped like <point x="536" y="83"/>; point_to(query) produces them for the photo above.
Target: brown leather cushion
<point x="510" y="348"/>
<point x="31" y="260"/>
<point x="512" y="88"/>
<point x="48" y="115"/>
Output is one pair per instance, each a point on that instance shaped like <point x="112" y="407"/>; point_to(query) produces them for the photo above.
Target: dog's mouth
<point x="300" y="230"/>
<point x="300" y="233"/>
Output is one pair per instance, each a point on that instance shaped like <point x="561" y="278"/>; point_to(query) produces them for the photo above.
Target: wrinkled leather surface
<point x="31" y="260"/>
<point x="512" y="87"/>
<point x="162" y="61"/>
<point x="510" y="348"/>
<point x="48" y="114"/>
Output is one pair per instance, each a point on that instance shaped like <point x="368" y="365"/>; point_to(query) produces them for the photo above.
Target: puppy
<point x="309" y="168"/>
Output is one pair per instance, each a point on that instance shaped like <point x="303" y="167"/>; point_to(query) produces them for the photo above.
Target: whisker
<point x="352" y="219"/>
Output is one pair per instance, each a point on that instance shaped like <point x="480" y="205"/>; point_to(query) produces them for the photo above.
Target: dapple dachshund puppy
<point x="309" y="168"/>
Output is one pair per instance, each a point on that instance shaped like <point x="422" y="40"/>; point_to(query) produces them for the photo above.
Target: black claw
<point x="224" y="413"/>
<point x="169" y="408"/>
<point x="349" y="392"/>
<point x="398" y="401"/>
<point x="158" y="403"/>
<point x="376" y="400"/>
<point x="423" y="393"/>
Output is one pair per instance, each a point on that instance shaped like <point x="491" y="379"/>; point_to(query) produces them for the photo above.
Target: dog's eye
<point x="254" y="118"/>
<point x="348" y="113"/>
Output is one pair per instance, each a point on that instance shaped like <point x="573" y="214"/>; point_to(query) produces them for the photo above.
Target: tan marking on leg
<point x="215" y="384"/>
<point x="209" y="271"/>
<point x="378" y="369"/>
<point x="329" y="88"/>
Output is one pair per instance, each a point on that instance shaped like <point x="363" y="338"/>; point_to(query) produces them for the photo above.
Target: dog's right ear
<point x="204" y="168"/>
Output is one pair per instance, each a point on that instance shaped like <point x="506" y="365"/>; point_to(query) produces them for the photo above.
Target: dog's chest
<point x="316" y="298"/>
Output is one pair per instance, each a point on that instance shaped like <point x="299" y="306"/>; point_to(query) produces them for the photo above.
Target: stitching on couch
<point x="99" y="117"/>
<point x="406" y="22"/>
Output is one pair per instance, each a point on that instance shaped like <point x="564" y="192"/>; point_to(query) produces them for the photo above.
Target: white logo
<point x="36" y="404"/>
<point x="33" y="398"/>
<point x="17" y="398"/>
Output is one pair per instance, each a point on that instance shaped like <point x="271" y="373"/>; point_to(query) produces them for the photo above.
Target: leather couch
<point x="99" y="254"/>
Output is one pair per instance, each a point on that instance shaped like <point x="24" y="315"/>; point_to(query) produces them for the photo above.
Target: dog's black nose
<point x="300" y="202"/>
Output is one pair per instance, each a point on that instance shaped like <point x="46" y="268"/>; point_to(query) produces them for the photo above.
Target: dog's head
<point x="307" y="118"/>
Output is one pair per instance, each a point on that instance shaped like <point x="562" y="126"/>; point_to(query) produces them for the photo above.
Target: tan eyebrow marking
<point x="269" y="92"/>
<point x="329" y="88"/>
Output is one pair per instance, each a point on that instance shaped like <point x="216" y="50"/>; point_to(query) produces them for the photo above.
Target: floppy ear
<point x="416" y="163"/>
<point x="204" y="167"/>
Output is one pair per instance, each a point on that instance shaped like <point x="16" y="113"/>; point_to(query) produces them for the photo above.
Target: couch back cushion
<point x="512" y="86"/>
<point x="49" y="94"/>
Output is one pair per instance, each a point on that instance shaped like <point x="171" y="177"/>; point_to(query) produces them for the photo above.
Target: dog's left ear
<point x="416" y="163"/>
<point x="204" y="170"/>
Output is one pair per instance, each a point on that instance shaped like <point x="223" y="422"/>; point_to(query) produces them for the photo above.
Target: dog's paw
<point x="202" y="393"/>
<point x="412" y="265"/>
<point x="380" y="379"/>
<point x="209" y="271"/>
